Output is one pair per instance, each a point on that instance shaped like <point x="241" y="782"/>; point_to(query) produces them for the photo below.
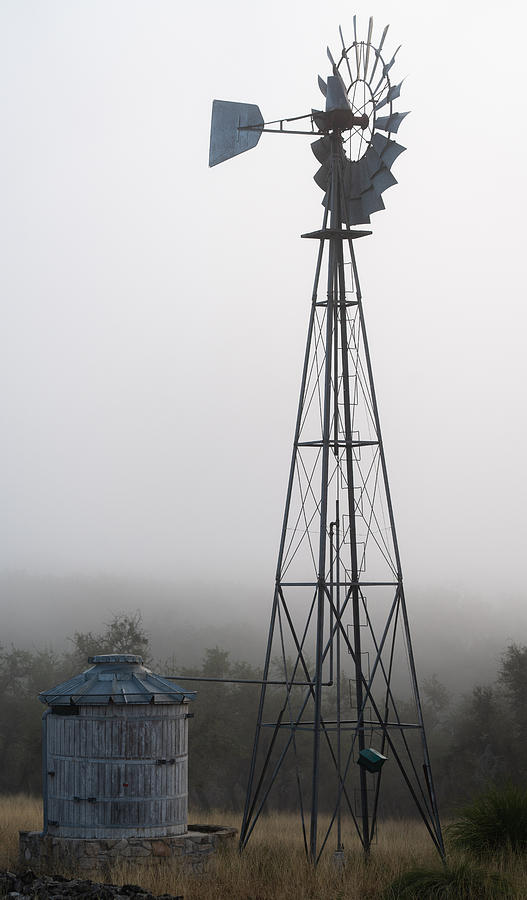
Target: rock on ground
<point x="29" y="886"/>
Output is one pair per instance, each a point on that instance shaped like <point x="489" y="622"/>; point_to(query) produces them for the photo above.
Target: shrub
<point x="458" y="882"/>
<point x="496" y="820"/>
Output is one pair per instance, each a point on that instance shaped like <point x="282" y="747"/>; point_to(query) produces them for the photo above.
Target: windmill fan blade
<point x="345" y="55"/>
<point x="330" y="57"/>
<point x="378" y="52"/>
<point x="356" y="178"/>
<point x="227" y="137"/>
<point x="388" y="66"/>
<point x="386" y="69"/>
<point x="368" y="47"/>
<point x="392" y="94"/>
<point x="356" y="42"/>
<point x="388" y="150"/>
<point x="357" y="214"/>
<point x="322" y="85"/>
<point x="382" y="180"/>
<point x="321" y="177"/>
<point x="321" y="149"/>
<point x="390" y="123"/>
<point x="371" y="202"/>
<point x="373" y="161"/>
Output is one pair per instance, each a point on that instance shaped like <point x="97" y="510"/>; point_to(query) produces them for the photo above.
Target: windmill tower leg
<point x="427" y="768"/>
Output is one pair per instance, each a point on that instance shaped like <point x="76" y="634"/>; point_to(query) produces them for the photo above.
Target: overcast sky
<point x="154" y="311"/>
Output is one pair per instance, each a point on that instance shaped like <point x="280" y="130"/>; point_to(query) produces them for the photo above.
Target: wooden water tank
<point x="115" y="753"/>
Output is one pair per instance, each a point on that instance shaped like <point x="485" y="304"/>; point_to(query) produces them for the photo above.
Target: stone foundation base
<point x="45" y="853"/>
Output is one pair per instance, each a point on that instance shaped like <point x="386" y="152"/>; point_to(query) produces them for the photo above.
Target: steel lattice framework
<point x="339" y="655"/>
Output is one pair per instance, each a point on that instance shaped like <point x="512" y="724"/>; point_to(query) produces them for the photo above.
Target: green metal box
<point x="371" y="760"/>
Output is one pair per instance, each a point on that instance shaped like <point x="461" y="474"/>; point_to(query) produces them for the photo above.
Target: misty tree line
<point x="474" y="741"/>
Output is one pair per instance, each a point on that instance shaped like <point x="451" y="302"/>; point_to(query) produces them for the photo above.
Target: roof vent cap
<point x="116" y="658"/>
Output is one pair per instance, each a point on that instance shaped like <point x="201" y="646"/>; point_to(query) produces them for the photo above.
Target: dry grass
<point x="17" y="813"/>
<point x="273" y="867"/>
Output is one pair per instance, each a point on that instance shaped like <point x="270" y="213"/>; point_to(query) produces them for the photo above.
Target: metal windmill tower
<point x="339" y="656"/>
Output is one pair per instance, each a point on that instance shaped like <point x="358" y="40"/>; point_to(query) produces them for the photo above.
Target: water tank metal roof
<point x="115" y="678"/>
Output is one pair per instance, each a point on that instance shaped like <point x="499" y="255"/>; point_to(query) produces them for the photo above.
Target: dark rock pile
<point x="29" y="886"/>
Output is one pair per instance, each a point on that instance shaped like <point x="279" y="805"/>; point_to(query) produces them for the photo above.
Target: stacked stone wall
<point x="46" y="852"/>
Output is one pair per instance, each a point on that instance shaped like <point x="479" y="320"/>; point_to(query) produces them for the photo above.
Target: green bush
<point x="458" y="882"/>
<point x="496" y="820"/>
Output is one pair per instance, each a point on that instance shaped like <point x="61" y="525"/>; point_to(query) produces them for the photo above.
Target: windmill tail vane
<point x="340" y="734"/>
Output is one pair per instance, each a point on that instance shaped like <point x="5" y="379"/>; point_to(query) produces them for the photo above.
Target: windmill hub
<point x="339" y="114"/>
<point x="339" y="120"/>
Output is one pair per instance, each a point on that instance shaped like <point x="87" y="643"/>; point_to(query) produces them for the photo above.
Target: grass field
<point x="273" y="867"/>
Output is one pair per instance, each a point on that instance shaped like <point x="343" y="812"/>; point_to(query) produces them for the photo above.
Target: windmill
<point x="339" y="716"/>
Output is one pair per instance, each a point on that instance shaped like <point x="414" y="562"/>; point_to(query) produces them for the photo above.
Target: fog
<point x="458" y="637"/>
<point x="154" y="315"/>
